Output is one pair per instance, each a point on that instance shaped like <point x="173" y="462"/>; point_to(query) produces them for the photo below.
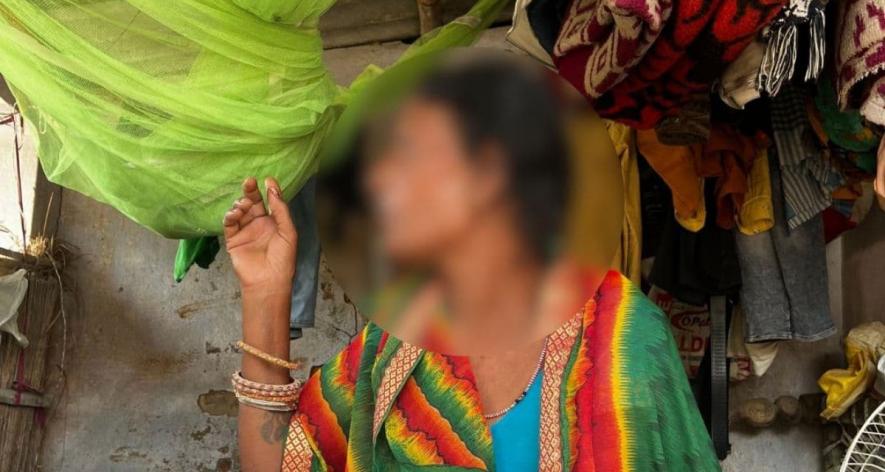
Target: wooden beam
<point x="429" y="15"/>
<point x="356" y="22"/>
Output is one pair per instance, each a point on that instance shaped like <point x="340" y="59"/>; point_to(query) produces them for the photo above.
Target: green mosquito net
<point x="161" y="107"/>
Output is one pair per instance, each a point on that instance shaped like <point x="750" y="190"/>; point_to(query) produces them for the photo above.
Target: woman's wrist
<point x="266" y="327"/>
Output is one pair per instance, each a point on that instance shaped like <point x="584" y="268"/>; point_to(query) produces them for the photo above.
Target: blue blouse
<point x="516" y="436"/>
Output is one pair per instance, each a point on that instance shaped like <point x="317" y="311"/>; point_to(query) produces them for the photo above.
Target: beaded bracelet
<point x="267" y="357"/>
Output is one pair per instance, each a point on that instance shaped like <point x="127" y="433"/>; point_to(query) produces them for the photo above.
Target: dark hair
<point x="498" y="99"/>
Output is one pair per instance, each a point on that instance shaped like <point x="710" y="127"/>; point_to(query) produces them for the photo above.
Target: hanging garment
<point x="601" y="41"/>
<point x="727" y="156"/>
<point x="864" y="345"/>
<point x="690" y="125"/>
<point x="806" y="184"/>
<point x="307" y="260"/>
<point x="783" y="43"/>
<point x="13" y="288"/>
<point x="785" y="290"/>
<point x="677" y="167"/>
<point x="629" y="254"/>
<point x="873" y="108"/>
<point x="595" y="216"/>
<point x="844" y="129"/>
<point x="860" y="39"/>
<point x="521" y="35"/>
<point x="161" y="109"/>
<point x="692" y="266"/>
<point x="698" y="40"/>
<point x="383" y="404"/>
<point x="756" y="214"/>
<point x="738" y="85"/>
<point x="657" y="211"/>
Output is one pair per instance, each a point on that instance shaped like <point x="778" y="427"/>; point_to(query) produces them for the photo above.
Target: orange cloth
<point x="727" y="155"/>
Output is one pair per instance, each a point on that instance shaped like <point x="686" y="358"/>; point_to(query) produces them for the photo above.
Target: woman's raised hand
<point x="261" y="241"/>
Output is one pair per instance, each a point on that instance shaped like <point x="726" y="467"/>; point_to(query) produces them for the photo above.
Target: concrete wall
<point x="147" y="360"/>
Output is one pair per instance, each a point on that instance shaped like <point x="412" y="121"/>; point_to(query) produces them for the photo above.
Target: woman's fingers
<point x="249" y="211"/>
<point x="251" y="192"/>
<point x="232" y="222"/>
<point x="279" y="210"/>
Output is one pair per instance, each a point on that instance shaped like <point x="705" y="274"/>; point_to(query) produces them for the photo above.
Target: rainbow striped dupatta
<point x="614" y="398"/>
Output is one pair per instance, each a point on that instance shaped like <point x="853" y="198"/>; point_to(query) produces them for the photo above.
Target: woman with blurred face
<point x="504" y="354"/>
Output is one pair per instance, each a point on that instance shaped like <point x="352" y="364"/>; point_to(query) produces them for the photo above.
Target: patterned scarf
<point x="614" y="398"/>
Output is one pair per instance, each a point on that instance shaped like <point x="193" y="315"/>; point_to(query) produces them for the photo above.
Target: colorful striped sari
<point x="614" y="397"/>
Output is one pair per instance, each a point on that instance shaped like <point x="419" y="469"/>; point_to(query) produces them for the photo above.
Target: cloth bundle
<point x="673" y="51"/>
<point x="728" y="156"/>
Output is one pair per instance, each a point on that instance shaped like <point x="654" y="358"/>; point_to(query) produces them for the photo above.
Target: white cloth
<point x="13" y="288"/>
<point x="521" y="35"/>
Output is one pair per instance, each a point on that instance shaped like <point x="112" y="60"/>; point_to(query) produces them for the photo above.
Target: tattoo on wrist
<point x="274" y="427"/>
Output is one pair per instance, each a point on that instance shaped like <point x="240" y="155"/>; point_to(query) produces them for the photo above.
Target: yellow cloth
<point x="677" y="165"/>
<point x="596" y="212"/>
<point x="756" y="215"/>
<point x="629" y="254"/>
<point x="864" y="345"/>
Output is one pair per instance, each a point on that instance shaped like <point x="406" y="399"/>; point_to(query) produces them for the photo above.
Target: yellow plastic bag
<point x="864" y="345"/>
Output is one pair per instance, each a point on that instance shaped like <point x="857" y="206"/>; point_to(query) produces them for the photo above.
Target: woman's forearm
<point x="262" y="434"/>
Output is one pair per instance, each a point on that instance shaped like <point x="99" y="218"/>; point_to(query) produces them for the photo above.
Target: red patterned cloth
<point x="699" y="38"/>
<point x="610" y="37"/>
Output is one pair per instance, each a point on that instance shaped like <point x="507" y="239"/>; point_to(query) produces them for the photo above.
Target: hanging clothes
<point x="596" y="212"/>
<point x="738" y="85"/>
<point x="727" y="157"/>
<point x="599" y="42"/>
<point x="785" y="290"/>
<point x="696" y="42"/>
<point x="629" y="254"/>
<point x="783" y="45"/>
<point x="756" y="214"/>
<point x="808" y="181"/>
<point x="692" y="266"/>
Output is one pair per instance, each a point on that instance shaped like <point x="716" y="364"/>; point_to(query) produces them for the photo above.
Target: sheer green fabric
<point x="161" y="108"/>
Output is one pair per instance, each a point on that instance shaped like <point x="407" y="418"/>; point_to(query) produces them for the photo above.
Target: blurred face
<point x="425" y="191"/>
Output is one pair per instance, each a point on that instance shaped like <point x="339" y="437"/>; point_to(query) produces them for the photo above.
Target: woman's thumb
<point x="279" y="210"/>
